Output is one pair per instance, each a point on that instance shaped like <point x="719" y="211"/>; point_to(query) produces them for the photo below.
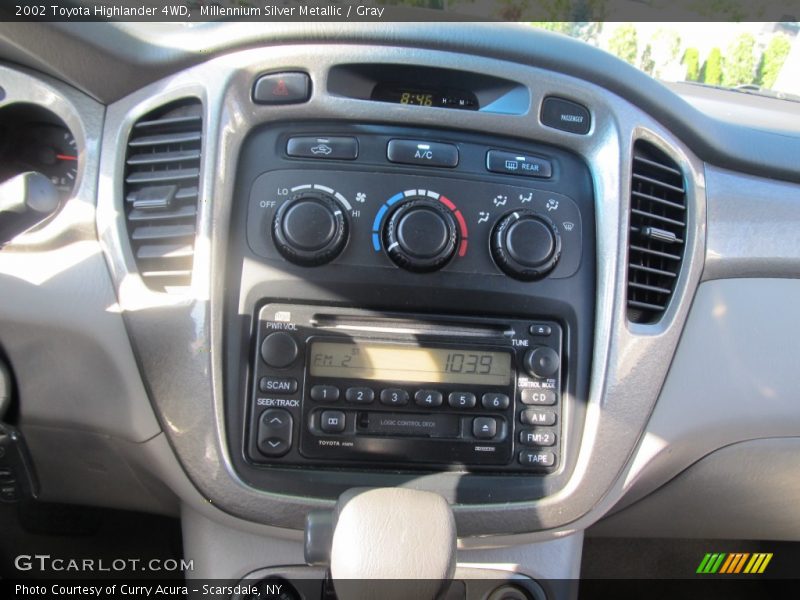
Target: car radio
<point x="337" y="386"/>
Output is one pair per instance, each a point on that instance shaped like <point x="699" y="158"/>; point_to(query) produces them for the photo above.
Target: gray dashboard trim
<point x="59" y="320"/>
<point x="178" y="340"/>
<point x="138" y="56"/>
<point x="734" y="378"/>
<point x="752" y="229"/>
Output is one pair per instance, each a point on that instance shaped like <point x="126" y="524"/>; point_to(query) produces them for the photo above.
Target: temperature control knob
<point x="420" y="236"/>
<point x="310" y="229"/>
<point x="525" y="245"/>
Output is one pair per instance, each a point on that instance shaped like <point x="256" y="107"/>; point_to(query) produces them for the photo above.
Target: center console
<point x="404" y="301"/>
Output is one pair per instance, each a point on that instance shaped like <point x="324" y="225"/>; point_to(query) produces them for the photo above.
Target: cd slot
<point x="398" y="326"/>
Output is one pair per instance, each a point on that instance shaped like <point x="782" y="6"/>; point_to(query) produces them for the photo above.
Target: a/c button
<point x="420" y="152"/>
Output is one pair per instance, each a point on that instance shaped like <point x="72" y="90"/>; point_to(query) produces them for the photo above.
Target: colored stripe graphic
<point x="734" y="563"/>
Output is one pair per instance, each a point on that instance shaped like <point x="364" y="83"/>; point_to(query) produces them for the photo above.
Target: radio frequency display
<point x="388" y="362"/>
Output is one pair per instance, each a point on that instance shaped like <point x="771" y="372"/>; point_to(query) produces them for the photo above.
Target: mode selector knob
<point x="526" y="245"/>
<point x="542" y="362"/>
<point x="420" y="236"/>
<point x="310" y="229"/>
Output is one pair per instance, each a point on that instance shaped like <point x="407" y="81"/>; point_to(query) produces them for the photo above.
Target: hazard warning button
<point x="282" y="88"/>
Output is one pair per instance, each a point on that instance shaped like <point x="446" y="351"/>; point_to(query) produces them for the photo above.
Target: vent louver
<point x="162" y="172"/>
<point x="657" y="232"/>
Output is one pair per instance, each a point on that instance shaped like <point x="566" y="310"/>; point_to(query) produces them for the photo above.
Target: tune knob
<point x="310" y="229"/>
<point x="420" y="236"/>
<point x="542" y="362"/>
<point x="525" y="245"/>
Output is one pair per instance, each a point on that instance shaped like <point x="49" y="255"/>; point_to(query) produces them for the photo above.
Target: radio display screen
<point x="413" y="364"/>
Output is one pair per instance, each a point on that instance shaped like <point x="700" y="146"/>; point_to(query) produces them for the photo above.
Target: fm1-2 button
<point x="537" y="437"/>
<point x="484" y="428"/>
<point x="275" y="432"/>
<point x="279" y="350"/>
<point x="332" y="421"/>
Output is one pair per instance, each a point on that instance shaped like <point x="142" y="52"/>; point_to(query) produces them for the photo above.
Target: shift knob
<point x="391" y="534"/>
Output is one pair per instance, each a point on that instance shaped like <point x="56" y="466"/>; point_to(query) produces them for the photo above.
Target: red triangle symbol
<point x="280" y="89"/>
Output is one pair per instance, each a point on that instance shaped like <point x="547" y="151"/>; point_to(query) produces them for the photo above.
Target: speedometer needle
<point x="66" y="157"/>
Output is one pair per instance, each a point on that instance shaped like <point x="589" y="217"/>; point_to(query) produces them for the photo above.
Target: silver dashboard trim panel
<point x="179" y="340"/>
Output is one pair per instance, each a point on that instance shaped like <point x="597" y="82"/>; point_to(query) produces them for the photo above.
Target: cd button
<point x="359" y="395"/>
<point x="495" y="401"/>
<point x="428" y="398"/>
<point x="394" y="397"/>
<point x="537" y="437"/>
<point x="461" y="400"/>
<point x="332" y="421"/>
<point x="534" y="458"/>
<point x="324" y="393"/>
<point x="484" y="428"/>
<point x="538" y="396"/>
<point x="533" y="416"/>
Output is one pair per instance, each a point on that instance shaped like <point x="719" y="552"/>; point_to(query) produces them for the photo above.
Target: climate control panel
<point x="415" y="223"/>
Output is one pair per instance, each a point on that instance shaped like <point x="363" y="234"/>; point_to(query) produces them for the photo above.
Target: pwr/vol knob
<point x="310" y="229"/>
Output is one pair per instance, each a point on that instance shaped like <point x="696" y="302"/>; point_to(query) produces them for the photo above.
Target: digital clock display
<point x="424" y="96"/>
<point x="391" y="362"/>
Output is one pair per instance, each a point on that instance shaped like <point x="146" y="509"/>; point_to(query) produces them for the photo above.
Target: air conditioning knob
<point x="420" y="236"/>
<point x="525" y="245"/>
<point x="310" y="229"/>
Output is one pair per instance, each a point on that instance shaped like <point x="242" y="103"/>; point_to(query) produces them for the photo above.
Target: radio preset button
<point x="534" y="416"/>
<point x="275" y="432"/>
<point x="324" y="393"/>
<point x="495" y="401"/>
<point x="394" y="397"/>
<point x="332" y="421"/>
<point x="461" y="400"/>
<point x="484" y="428"/>
<point x="277" y="385"/>
<point x="537" y="437"/>
<point x="359" y="395"/>
<point x="279" y="350"/>
<point x="533" y="458"/>
<point x="538" y="396"/>
<point x="428" y="398"/>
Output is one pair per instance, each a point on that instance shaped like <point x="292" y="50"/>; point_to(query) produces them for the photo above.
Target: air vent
<point x="657" y="234"/>
<point x="162" y="172"/>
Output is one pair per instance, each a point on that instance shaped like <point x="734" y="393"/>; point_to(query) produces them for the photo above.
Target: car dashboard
<point x="487" y="262"/>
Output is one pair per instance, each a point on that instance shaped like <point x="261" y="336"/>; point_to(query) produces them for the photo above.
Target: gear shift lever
<point x="386" y="534"/>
